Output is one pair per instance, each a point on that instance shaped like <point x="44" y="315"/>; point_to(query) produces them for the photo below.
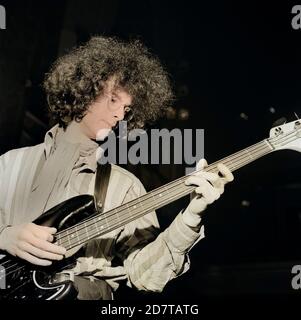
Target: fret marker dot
<point x="135" y="207"/>
<point x="160" y="195"/>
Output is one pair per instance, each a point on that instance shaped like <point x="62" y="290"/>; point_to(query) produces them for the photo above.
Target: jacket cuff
<point x="181" y="237"/>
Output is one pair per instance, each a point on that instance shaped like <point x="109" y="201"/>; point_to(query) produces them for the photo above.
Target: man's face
<point x="104" y="113"/>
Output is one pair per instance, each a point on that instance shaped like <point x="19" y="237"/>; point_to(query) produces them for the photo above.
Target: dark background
<point x="236" y="69"/>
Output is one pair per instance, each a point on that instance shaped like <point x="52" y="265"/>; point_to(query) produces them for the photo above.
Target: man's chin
<point x="102" y="134"/>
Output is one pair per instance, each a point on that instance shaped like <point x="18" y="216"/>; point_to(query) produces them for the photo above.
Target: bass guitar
<point x="78" y="221"/>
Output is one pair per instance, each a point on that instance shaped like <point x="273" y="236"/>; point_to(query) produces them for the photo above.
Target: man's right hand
<point x="32" y="243"/>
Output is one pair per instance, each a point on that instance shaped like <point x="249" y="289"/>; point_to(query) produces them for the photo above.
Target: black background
<point x="236" y="69"/>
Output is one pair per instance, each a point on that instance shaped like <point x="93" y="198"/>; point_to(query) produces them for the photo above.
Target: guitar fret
<point x="88" y="237"/>
<point x="231" y="162"/>
<point x="76" y="230"/>
<point x="58" y="241"/>
<point x="117" y="214"/>
<point x="97" y="227"/>
<point x="153" y="197"/>
<point x="101" y="227"/>
<point x="68" y="237"/>
<point x="140" y="203"/>
<point x="128" y="209"/>
<point x="268" y="144"/>
<point x="250" y="155"/>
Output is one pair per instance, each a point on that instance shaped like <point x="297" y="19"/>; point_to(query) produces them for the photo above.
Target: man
<point x="88" y="91"/>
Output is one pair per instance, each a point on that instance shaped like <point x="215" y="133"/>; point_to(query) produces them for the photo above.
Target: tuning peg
<point x="297" y="124"/>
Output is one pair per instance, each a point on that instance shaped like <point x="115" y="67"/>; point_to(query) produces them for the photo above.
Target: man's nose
<point x="119" y="114"/>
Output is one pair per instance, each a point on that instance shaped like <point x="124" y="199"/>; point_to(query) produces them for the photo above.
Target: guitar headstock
<point x="286" y="136"/>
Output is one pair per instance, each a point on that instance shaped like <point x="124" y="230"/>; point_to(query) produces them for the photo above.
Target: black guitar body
<point x="24" y="281"/>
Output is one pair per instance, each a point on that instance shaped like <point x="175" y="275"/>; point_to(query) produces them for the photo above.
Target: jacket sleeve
<point x="151" y="258"/>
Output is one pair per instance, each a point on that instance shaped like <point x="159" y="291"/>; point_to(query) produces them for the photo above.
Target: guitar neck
<point x="101" y="224"/>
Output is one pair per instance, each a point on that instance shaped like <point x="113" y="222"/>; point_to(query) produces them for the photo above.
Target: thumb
<point x="201" y="164"/>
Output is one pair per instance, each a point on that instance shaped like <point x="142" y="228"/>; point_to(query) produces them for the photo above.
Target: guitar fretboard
<point x="101" y="224"/>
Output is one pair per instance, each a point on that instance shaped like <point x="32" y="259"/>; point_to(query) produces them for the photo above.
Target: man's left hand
<point x="209" y="187"/>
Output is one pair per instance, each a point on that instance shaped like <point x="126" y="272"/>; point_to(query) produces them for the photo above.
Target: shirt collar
<point x="73" y="135"/>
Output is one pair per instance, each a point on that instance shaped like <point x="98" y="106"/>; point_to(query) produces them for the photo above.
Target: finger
<point x="51" y="230"/>
<point x="34" y="226"/>
<point x="220" y="185"/>
<point x="214" y="184"/>
<point x="201" y="177"/>
<point x="47" y="246"/>
<point x="201" y="164"/>
<point x="208" y="192"/>
<point x="34" y="260"/>
<point x="25" y="246"/>
<point x="210" y="176"/>
<point x="43" y="233"/>
<point x="194" y="180"/>
<point x="197" y="205"/>
<point x="226" y="173"/>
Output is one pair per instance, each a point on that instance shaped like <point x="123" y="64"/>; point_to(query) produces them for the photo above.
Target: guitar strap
<point x="98" y="289"/>
<point x="102" y="178"/>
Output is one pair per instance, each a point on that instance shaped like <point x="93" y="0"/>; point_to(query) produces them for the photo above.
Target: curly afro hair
<point x="77" y="78"/>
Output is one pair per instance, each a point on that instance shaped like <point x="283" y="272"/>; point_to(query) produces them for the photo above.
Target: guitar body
<point x="25" y="281"/>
